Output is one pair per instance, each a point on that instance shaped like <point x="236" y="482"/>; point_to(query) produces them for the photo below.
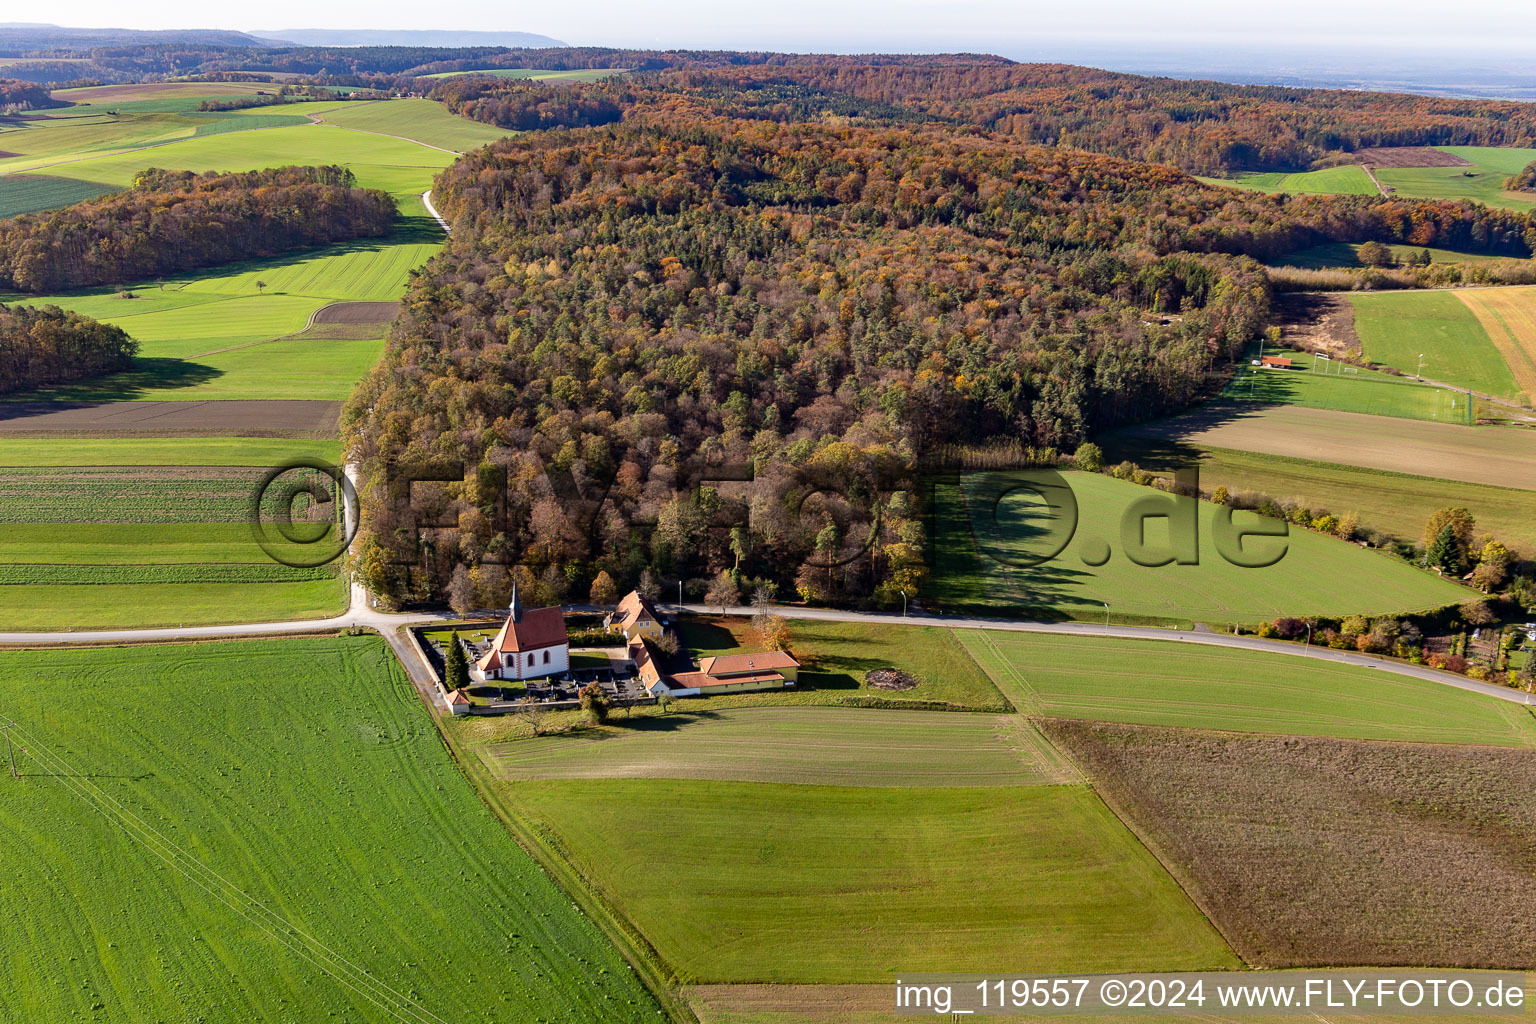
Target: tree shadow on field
<point x="149" y="374"/>
<point x="672" y="721"/>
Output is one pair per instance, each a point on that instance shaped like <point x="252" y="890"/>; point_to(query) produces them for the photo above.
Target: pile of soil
<point x="890" y="679"/>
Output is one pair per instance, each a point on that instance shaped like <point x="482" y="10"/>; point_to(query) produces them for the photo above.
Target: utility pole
<point x="9" y="752"/>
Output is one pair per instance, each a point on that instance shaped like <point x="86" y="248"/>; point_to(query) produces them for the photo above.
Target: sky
<point x="1017" y="28"/>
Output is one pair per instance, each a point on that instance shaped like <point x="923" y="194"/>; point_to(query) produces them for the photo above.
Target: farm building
<point x="532" y="643"/>
<point x="731" y="673"/>
<point x="634" y="617"/>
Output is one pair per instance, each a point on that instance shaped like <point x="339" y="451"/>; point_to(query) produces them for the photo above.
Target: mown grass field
<point x="1319" y="852"/>
<point x="1329" y="384"/>
<point x="825" y="884"/>
<point x="813" y="746"/>
<point x="338" y="831"/>
<point x="422" y="120"/>
<point x="1346" y="254"/>
<point x="1397" y="503"/>
<point x="1396" y="327"/>
<point x="1483" y="181"/>
<point x="985" y="526"/>
<point x="1166" y="683"/>
<point x="1348" y="179"/>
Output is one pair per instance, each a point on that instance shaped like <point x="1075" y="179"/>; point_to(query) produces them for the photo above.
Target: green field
<point x="1160" y="682"/>
<point x="1482" y="182"/>
<point x="1329" y="384"/>
<point x="1346" y="254"/>
<point x="836" y="656"/>
<point x="793" y="745"/>
<point x="28" y="193"/>
<point x="225" y="333"/>
<point x="976" y="554"/>
<point x="49" y="608"/>
<point x="198" y="830"/>
<point x="825" y="884"/>
<point x="1397" y="503"/>
<point x="164" y="451"/>
<point x="422" y="120"/>
<point x="1396" y="327"/>
<point x="1348" y="179"/>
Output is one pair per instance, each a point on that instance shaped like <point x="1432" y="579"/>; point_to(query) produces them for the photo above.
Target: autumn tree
<point x="461" y="591"/>
<point x="604" y="592"/>
<point x="771" y="632"/>
<point x="722" y="591"/>
<point x="595" y="703"/>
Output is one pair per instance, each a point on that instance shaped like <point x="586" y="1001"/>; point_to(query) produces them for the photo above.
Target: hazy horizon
<point x="1016" y="30"/>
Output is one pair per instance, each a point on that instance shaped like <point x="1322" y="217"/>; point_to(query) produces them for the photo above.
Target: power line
<point x="397" y="1005"/>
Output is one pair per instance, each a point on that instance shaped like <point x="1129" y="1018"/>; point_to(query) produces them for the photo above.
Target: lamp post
<point x="903" y="604"/>
<point x="1420" y="374"/>
<point x="1106" y="616"/>
<point x="679" y="594"/>
<point x="1309" y="634"/>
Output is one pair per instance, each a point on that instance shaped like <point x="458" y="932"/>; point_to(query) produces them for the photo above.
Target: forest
<point x="173" y="221"/>
<point x="47" y="345"/>
<point x="719" y="335"/>
<point x="18" y="95"/>
<point x="1199" y="127"/>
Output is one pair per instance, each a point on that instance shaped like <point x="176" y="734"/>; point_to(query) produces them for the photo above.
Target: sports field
<point x="819" y="746"/>
<point x="1397" y="503"/>
<point x="1503" y="457"/>
<point x="1348" y="179"/>
<point x="194" y="828"/>
<point x="1395" y="328"/>
<point x="1161" y="682"/>
<point x="826" y="884"/>
<point x="987" y="527"/>
<point x="1330" y="384"/>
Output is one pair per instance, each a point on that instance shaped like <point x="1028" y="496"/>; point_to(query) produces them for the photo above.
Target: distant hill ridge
<point x="401" y="37"/>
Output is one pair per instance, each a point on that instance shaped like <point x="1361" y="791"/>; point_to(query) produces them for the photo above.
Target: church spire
<point x="516" y="608"/>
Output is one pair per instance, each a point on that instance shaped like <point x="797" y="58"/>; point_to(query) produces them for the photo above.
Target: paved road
<point x="361" y="614"/>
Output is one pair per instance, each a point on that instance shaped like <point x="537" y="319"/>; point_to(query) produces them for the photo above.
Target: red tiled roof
<point x="736" y="664"/>
<point x="458" y="697"/>
<point x="703" y="680"/>
<point x="535" y="628"/>
<point x="490" y="661"/>
<point x="632" y="609"/>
